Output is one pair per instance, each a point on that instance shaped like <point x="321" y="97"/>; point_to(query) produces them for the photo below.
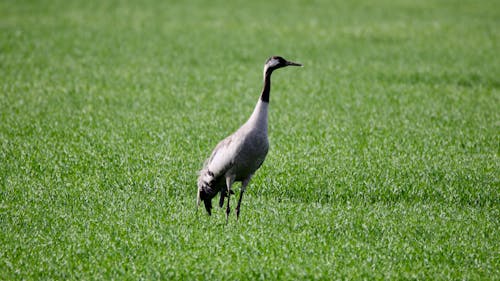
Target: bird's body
<point x="237" y="157"/>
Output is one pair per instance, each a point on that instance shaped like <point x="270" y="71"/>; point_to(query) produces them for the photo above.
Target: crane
<point x="237" y="157"/>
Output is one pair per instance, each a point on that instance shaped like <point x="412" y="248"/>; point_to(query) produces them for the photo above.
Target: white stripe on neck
<point x="258" y="119"/>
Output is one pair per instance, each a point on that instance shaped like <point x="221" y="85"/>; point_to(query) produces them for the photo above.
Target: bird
<point x="237" y="157"/>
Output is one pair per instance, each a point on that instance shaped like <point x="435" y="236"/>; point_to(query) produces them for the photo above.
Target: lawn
<point x="385" y="147"/>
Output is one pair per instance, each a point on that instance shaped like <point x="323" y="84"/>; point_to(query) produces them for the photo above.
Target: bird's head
<point x="205" y="190"/>
<point x="276" y="62"/>
<point x="204" y="195"/>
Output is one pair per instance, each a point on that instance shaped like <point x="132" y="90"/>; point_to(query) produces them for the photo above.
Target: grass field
<point x="385" y="147"/>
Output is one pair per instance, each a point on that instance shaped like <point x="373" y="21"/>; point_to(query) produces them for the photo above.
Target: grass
<point x="384" y="160"/>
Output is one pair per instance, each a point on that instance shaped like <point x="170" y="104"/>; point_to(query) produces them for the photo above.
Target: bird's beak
<point x="293" y="63"/>
<point x="208" y="206"/>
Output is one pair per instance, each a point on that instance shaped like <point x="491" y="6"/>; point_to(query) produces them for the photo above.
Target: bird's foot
<point x="227" y="213"/>
<point x="228" y="210"/>
<point x="237" y="213"/>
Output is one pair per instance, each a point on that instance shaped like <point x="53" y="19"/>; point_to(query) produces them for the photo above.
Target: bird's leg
<point x="229" y="183"/>
<point x="243" y="188"/>
<point x="222" y="196"/>
<point x="239" y="204"/>
<point x="228" y="210"/>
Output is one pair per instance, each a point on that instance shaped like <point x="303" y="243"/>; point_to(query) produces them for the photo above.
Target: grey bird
<point x="237" y="157"/>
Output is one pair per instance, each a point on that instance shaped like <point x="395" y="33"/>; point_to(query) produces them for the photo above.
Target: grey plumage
<point x="237" y="157"/>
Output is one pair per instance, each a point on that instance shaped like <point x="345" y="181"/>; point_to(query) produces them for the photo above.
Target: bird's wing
<point x="222" y="158"/>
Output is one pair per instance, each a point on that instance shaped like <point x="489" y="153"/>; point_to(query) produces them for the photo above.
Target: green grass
<point x="385" y="147"/>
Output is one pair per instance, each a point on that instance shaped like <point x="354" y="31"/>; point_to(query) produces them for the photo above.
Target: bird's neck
<point x="266" y="90"/>
<point x="258" y="119"/>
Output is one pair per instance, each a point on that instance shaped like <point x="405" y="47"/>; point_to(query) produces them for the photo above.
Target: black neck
<point x="267" y="87"/>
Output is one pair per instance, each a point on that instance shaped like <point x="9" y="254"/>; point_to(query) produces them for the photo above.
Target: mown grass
<point x="384" y="160"/>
